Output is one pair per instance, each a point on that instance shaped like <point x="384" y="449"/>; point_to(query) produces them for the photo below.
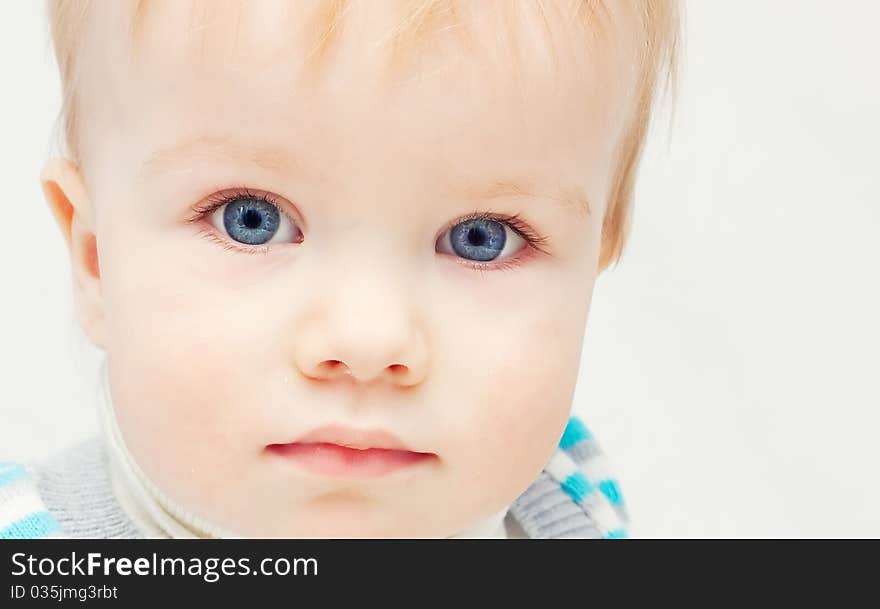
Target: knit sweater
<point x="71" y="495"/>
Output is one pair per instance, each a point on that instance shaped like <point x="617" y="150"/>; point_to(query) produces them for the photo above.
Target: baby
<point x="340" y="256"/>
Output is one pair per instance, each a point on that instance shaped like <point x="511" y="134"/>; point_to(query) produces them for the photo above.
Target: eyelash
<point x="222" y="198"/>
<point x="534" y="241"/>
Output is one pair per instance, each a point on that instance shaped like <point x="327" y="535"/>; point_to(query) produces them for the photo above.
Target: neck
<point x="158" y="516"/>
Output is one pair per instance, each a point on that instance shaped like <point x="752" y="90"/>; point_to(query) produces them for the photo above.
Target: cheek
<point x="174" y="406"/>
<point x="529" y="394"/>
<point x="177" y="361"/>
<point x="517" y="410"/>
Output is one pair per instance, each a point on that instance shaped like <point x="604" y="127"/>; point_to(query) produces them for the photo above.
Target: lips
<point x="339" y="451"/>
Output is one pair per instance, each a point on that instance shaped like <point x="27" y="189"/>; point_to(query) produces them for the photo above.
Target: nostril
<point x="333" y="365"/>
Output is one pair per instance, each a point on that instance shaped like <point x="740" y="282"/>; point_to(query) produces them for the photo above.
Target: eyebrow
<point x="570" y="197"/>
<point x="224" y="148"/>
<point x="280" y="160"/>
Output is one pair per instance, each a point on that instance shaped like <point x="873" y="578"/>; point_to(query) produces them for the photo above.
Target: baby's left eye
<point x="481" y="240"/>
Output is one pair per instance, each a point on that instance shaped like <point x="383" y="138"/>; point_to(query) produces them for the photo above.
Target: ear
<point x="65" y="193"/>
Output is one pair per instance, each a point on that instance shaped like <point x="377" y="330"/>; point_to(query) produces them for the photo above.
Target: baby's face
<point x="282" y="250"/>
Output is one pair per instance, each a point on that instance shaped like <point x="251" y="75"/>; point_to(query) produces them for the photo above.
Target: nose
<point x="366" y="329"/>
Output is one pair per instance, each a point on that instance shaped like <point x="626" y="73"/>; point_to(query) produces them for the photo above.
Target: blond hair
<point x="659" y="28"/>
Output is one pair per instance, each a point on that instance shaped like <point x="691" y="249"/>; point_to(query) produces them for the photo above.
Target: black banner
<point x="131" y="572"/>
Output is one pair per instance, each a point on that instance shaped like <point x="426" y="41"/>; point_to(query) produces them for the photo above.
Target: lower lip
<point x="340" y="461"/>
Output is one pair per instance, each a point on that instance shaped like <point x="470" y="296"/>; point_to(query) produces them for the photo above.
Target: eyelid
<point x="514" y="221"/>
<point x="226" y="195"/>
<point x="231" y="246"/>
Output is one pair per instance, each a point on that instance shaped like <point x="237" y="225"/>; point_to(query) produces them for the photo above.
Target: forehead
<point x="238" y="32"/>
<point x="491" y="76"/>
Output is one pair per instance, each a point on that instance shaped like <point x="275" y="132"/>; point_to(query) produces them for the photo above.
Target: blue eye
<point x="252" y="220"/>
<point x="481" y="239"/>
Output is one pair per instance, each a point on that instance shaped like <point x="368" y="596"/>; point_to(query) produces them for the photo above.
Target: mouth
<point x="343" y="452"/>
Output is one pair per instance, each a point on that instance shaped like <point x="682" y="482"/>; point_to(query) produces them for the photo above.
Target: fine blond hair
<point x="659" y="31"/>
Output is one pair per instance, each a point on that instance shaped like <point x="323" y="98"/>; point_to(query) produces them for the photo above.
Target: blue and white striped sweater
<point x="575" y="496"/>
<point x="22" y="512"/>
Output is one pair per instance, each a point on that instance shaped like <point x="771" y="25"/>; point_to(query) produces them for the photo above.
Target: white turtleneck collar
<point x="157" y="516"/>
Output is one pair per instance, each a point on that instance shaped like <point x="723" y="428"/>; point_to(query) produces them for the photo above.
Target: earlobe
<point x="67" y="198"/>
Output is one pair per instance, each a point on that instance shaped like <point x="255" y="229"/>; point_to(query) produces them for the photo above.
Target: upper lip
<point x="355" y="438"/>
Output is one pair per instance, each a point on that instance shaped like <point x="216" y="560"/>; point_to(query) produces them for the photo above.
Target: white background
<point x="731" y="362"/>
